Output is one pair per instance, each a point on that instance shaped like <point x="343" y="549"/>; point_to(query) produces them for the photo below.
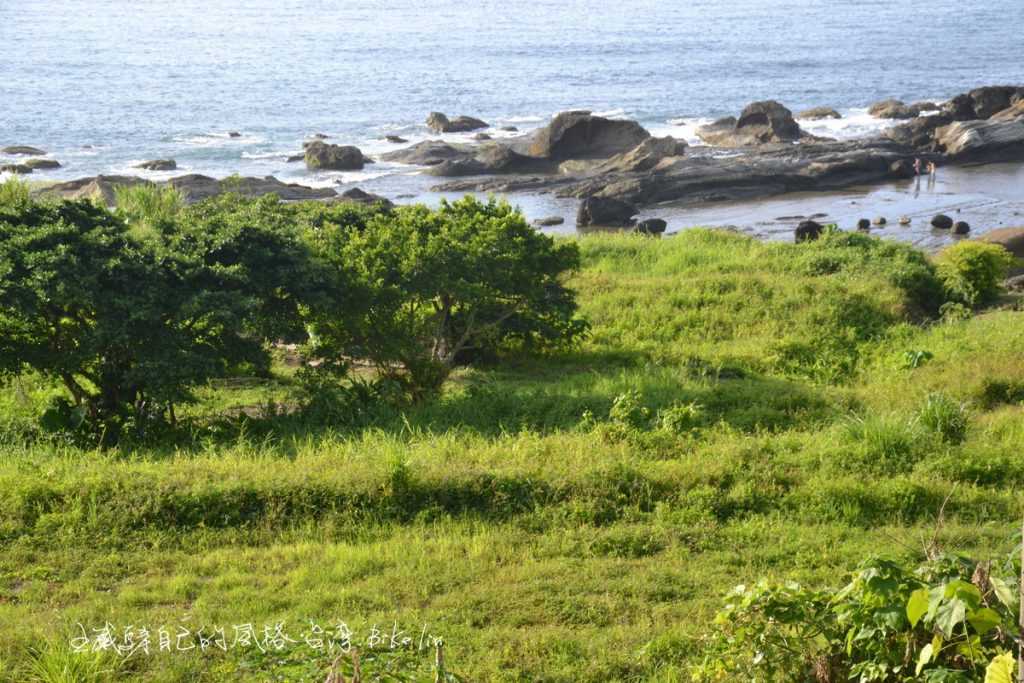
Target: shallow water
<point x="160" y="79"/>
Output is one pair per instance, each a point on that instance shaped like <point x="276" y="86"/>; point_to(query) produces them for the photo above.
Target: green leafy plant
<point x="944" y="621"/>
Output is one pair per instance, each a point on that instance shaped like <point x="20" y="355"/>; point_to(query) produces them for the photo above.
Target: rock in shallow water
<point x="942" y="222"/>
<point x="603" y="211"/>
<point x="159" y="165"/>
<point x="22" y="150"/>
<point x="818" y="113"/>
<point x="42" y="164"/>
<point x="323" y="156"/>
<point x="439" y="123"/>
<point x="18" y="169"/>
<point x="652" y="226"/>
<point x="808" y="231"/>
<point x="549" y="221"/>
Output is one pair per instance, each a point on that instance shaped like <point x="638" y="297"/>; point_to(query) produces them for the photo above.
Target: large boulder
<point x="892" y="109"/>
<point x="942" y="222"/>
<point x="645" y="156"/>
<point x="818" y="113"/>
<point x="158" y="165"/>
<point x="581" y="135"/>
<point x="195" y="188"/>
<point x="759" y="123"/>
<point x="605" y="211"/>
<point x="22" y="150"/>
<point x="1011" y="239"/>
<point x="323" y="156"/>
<point x="999" y="138"/>
<point x="439" y="123"/>
<point x="17" y="169"/>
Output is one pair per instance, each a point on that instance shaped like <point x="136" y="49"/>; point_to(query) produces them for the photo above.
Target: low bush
<point x="972" y="272"/>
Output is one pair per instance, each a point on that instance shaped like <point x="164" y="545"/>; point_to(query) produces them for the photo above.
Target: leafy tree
<point x="130" y="326"/>
<point x="436" y="285"/>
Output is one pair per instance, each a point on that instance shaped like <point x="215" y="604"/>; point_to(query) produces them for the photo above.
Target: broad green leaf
<point x="965" y="591"/>
<point x="917" y="606"/>
<point x="1003" y="592"/>
<point x="1003" y="669"/>
<point x="984" y="620"/>
<point x="924" y="658"/>
<point x="949" y="615"/>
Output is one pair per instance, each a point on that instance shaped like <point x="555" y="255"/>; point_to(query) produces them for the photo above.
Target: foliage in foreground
<point x="945" y="621"/>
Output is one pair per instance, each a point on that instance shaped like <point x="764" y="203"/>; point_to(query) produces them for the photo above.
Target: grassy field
<point x="739" y="410"/>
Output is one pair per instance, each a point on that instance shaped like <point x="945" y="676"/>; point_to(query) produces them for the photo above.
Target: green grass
<point x="740" y="410"/>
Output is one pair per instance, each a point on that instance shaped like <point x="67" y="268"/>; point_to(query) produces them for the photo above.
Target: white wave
<point x="680" y="128"/>
<point x="272" y="156"/>
<point x="217" y="139"/>
<point x="611" y="114"/>
<point x="856" y="123"/>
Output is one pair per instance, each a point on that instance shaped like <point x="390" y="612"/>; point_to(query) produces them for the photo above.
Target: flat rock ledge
<point x="193" y="188"/>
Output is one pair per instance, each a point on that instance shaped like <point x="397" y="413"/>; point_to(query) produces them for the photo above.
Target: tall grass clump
<point x="884" y="444"/>
<point x="14" y="193"/>
<point x="945" y="417"/>
<point x="148" y="208"/>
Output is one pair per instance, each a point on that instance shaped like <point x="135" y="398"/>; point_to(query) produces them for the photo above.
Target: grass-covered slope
<point x="739" y="410"/>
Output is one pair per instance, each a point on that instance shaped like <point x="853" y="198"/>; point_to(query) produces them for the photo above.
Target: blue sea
<point x="104" y="84"/>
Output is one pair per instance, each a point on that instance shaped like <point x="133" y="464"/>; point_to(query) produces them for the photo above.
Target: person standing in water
<point x="932" y="168"/>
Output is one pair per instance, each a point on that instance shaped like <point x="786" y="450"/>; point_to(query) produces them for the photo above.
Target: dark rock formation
<point x="651" y="226"/>
<point x="394" y="139"/>
<point x="234" y="134"/>
<point x="358" y="196"/>
<point x="42" y="164"/>
<point x="864" y="225"/>
<point x="818" y="113"/>
<point x="323" y="156"/>
<point x="758" y="124"/>
<point x="481" y="136"/>
<point x="439" y="123"/>
<point x="961" y="228"/>
<point x="580" y="135"/>
<point x="19" y="169"/>
<point x="942" y="222"/>
<point x="981" y="103"/>
<point x="808" y="231"/>
<point x="881" y="220"/>
<point x="509" y="129"/>
<point x="22" y="150"/>
<point x="604" y="211"/>
<point x="159" y="165"/>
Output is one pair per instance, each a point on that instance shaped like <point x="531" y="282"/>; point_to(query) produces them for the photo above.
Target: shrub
<point x="130" y="326"/>
<point x="972" y="272"/>
<point x="434" y="286"/>
<point x="884" y="444"/>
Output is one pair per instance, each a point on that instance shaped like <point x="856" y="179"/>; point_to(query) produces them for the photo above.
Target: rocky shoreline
<point x="617" y="169"/>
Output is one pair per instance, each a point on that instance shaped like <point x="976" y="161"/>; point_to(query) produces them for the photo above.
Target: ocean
<point x="105" y="84"/>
